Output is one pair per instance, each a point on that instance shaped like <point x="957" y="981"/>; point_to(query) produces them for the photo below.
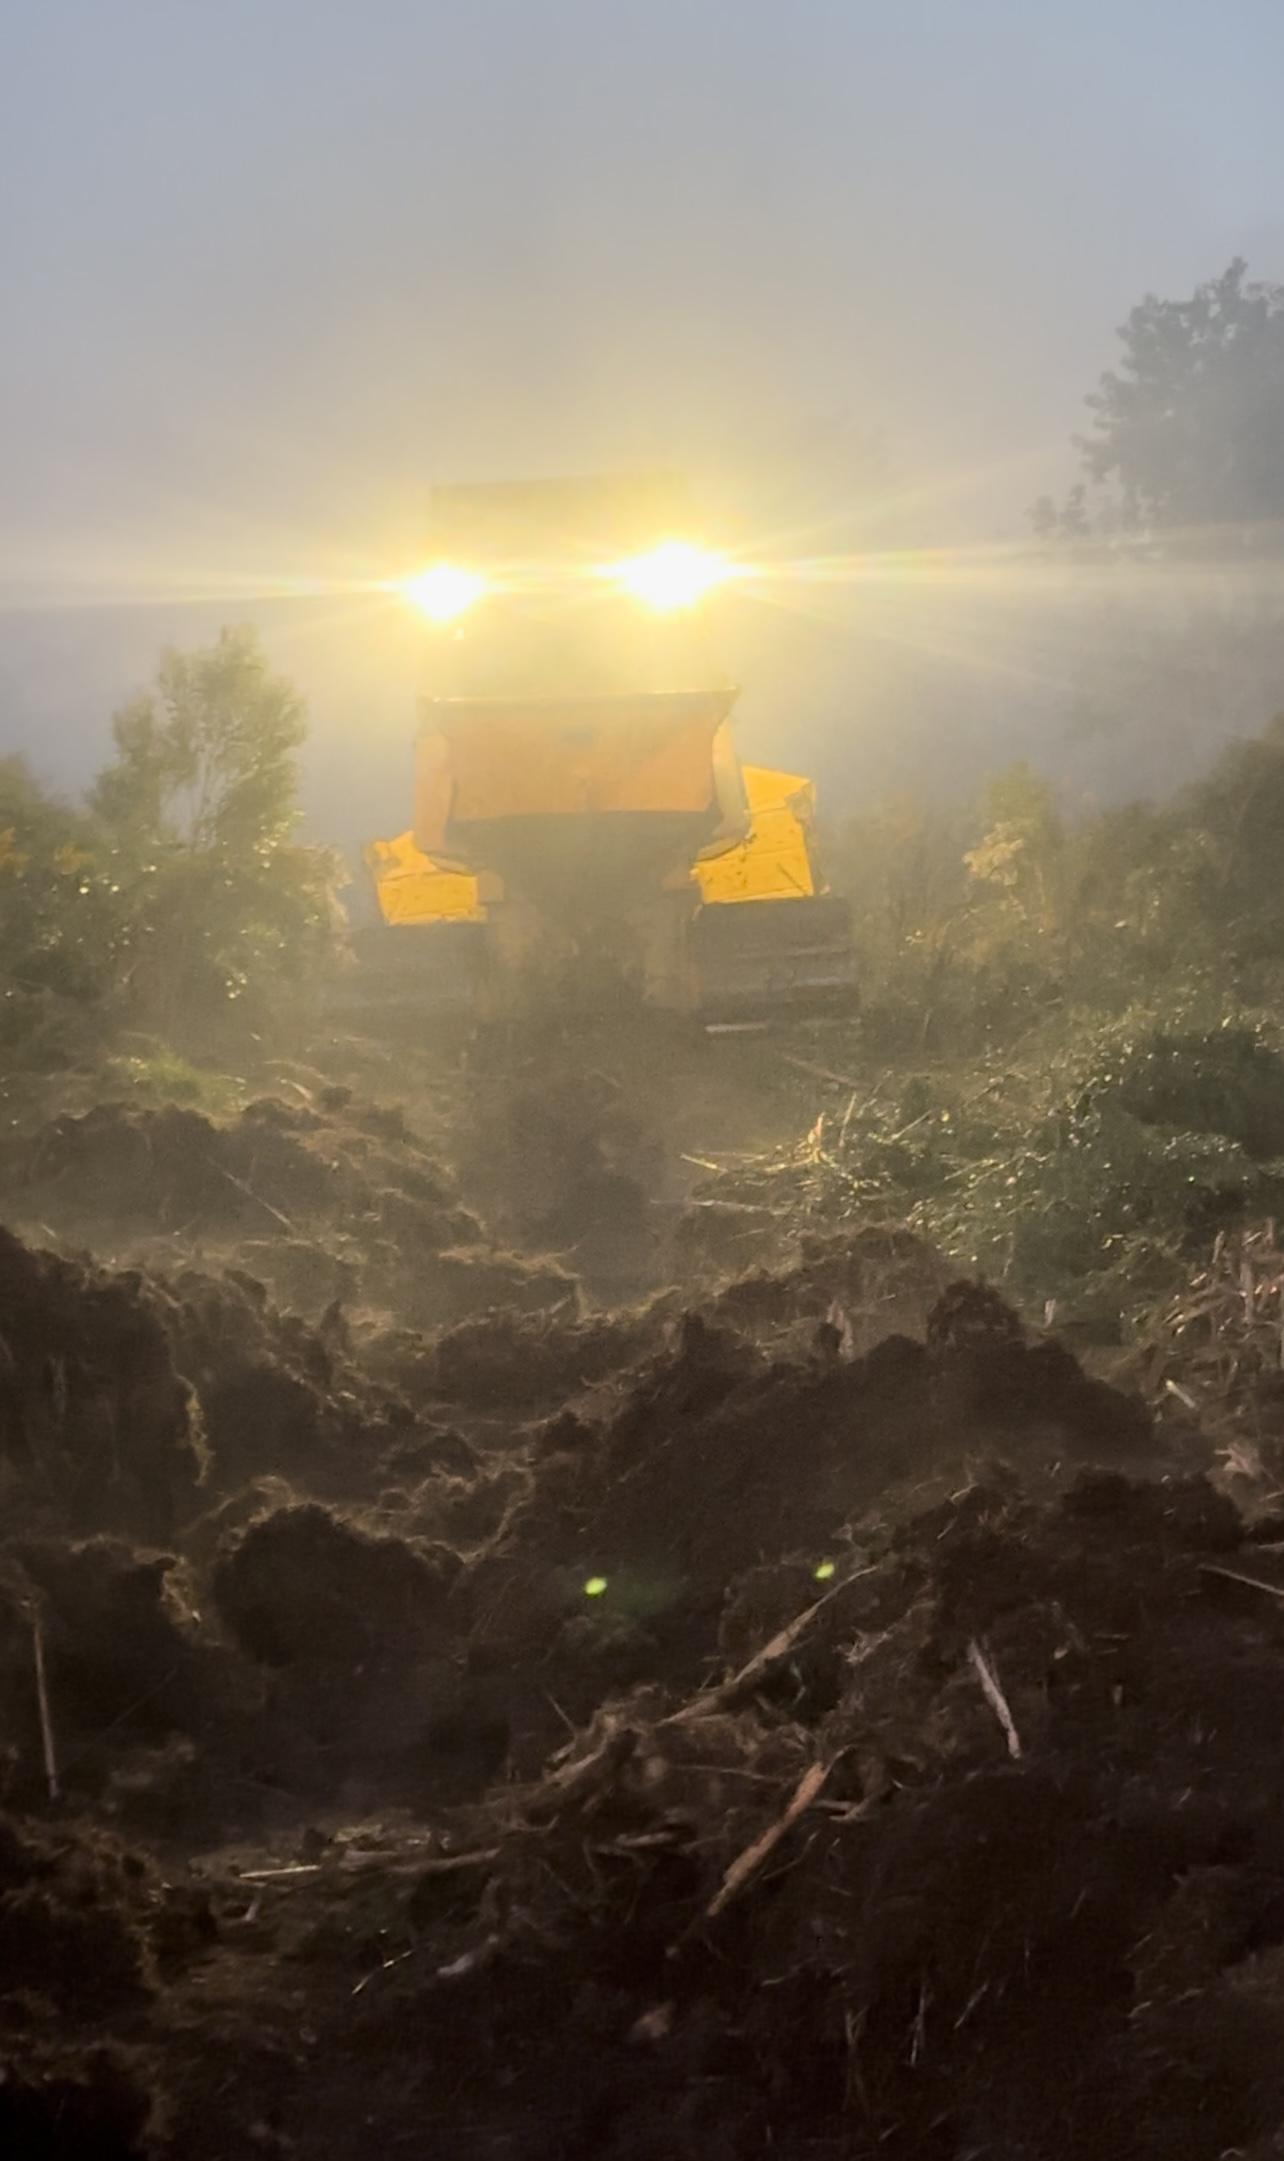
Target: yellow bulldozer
<point x="579" y="805"/>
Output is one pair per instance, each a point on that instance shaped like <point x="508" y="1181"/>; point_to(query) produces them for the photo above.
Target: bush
<point x="1227" y="1080"/>
<point x="60" y="927"/>
<point x="974" y="925"/>
<point x="180" y="896"/>
<point x="223" y="907"/>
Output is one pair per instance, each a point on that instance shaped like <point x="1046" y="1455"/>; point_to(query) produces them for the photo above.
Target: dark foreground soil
<point x="798" y="1714"/>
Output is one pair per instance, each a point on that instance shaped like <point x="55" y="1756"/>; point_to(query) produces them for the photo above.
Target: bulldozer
<point x="580" y="812"/>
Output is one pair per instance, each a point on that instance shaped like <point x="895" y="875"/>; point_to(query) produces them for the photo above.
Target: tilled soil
<point x="798" y="1713"/>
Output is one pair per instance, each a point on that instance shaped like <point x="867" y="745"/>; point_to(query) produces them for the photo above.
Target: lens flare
<point x="672" y="576"/>
<point x="444" y="591"/>
<point x="595" y="1586"/>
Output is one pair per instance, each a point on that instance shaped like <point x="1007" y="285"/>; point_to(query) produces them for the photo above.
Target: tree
<point x="1070" y="521"/>
<point x="59" y="925"/>
<point x="1228" y="866"/>
<point x="200" y="811"/>
<point x="1017" y="856"/>
<point x="1190" y="427"/>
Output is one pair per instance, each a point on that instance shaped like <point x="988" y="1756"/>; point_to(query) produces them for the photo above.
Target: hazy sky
<point x="269" y="266"/>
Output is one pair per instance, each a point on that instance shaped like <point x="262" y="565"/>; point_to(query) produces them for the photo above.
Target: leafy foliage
<point x="1088" y="1169"/>
<point x="1227" y="1080"/>
<point x="59" y="924"/>
<point x="1227" y="870"/>
<point x="198" y="810"/>
<point x="1188" y="430"/>
<point x="1191" y="424"/>
<point x="975" y="926"/>
<point x="180" y="893"/>
<point x="1092" y="1004"/>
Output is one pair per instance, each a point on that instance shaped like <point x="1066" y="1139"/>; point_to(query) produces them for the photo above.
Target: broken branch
<point x="1237" y="1575"/>
<point x="994" y="1695"/>
<point x="748" y="1863"/>
<point x="772" y="1654"/>
<point x="42" y="1699"/>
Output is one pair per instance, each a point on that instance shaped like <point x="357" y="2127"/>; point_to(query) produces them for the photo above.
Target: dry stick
<point x="748" y="1863"/>
<point x="582" y="1775"/>
<point x="340" y="1872"/>
<point x="42" y="1698"/>
<point x="449" y="1864"/>
<point x="387" y="1966"/>
<point x="771" y="1654"/>
<point x="1236" y="1575"/>
<point x="257" y="1198"/>
<point x="847" y="1119"/>
<point x="821" y="1072"/>
<point x="480" y="1955"/>
<point x="994" y="1695"/>
<point x="278" y="1875"/>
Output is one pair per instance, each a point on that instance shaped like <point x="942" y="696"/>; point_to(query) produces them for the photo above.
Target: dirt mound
<point x="827" y="1716"/>
<point x="90" y="1889"/>
<point x="144" y="1714"/>
<point x="366" y="1696"/>
<point x="978" y="1851"/>
<point x="303" y="1584"/>
<point x="275" y="1163"/>
<point x="653" y="1526"/>
<point x="90" y="1931"/>
<point x="395" y="1575"/>
<point x="277" y="1397"/>
<point x="335" y="1199"/>
<point x="868" y="1284"/>
<point x="320" y="1405"/>
<point x="59" y="2106"/>
<point x="719" y="1458"/>
<point x="524" y="1363"/>
<point x="96" y="1425"/>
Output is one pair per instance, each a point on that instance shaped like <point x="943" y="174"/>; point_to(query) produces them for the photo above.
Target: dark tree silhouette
<point x="1189" y="428"/>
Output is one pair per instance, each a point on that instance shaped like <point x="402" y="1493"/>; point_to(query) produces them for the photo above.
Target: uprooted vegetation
<point x="821" y="1706"/>
<point x="1087" y="1172"/>
<point x="702" y="1691"/>
<point x="580" y="1571"/>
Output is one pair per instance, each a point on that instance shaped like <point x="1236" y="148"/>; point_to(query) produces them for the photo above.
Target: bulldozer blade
<point x="753" y="962"/>
<point x="758" y="961"/>
<point x="406" y="974"/>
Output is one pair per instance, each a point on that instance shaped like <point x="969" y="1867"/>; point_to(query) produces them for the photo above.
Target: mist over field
<point x="641" y="1443"/>
<point x="853" y="268"/>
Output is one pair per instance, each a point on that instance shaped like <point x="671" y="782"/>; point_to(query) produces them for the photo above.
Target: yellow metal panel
<point x="411" y="888"/>
<point x="578" y="757"/>
<point x="773" y="861"/>
<point x="767" y="789"/>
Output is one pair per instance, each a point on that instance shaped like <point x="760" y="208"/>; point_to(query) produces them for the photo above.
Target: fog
<point x="270" y="270"/>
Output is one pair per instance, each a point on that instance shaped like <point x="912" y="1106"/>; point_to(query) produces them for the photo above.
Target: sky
<point x="270" y="267"/>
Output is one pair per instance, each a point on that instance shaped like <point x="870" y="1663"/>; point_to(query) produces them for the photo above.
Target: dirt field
<point x="503" y="1654"/>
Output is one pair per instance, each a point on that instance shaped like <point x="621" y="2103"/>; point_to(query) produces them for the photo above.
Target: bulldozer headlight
<point x="444" y="591"/>
<point x="672" y="576"/>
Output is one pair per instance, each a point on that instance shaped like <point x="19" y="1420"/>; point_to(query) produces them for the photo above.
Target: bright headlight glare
<point x="674" y="575"/>
<point x="444" y="591"/>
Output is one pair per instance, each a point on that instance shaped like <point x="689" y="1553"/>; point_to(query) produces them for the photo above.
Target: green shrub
<point x="181" y="895"/>
<point x="60" y="927"/>
<point x="1227" y="1080"/>
<point x="224" y="910"/>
